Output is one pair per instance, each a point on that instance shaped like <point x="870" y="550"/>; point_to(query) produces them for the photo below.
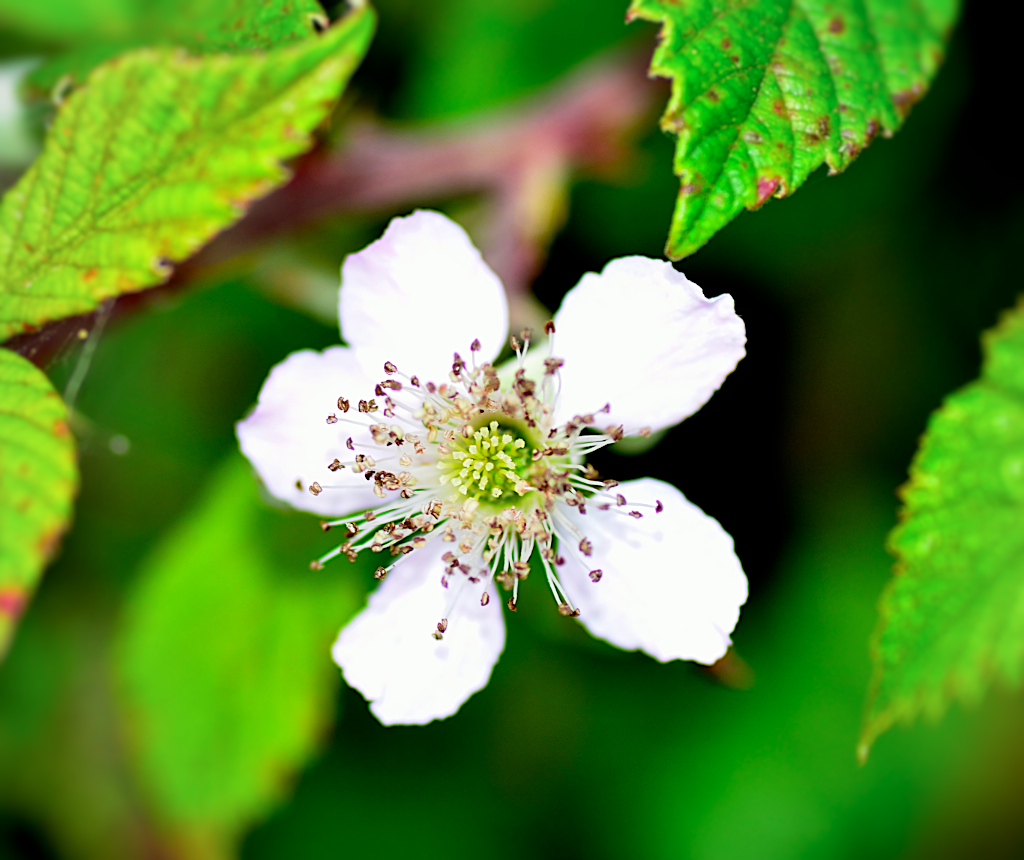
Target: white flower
<point x="465" y="472"/>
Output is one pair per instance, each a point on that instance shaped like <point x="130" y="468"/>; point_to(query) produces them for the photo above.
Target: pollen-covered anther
<point x="380" y="573"/>
<point x="636" y="515"/>
<point x="475" y="345"/>
<point x="390" y="368"/>
<point x="315" y="488"/>
<point x="521" y="568"/>
<point x="511" y="604"/>
<point x="316" y="565"/>
<point x="566" y="610"/>
<point x="325" y="526"/>
<point x="658" y="507"/>
<point x="595" y="575"/>
<point x="551" y="365"/>
<point x="485" y="598"/>
<point x="343" y="405"/>
<point x="615" y="433"/>
<point x="442" y="625"/>
<point x="586" y="547"/>
<point x="332" y="419"/>
<point x="336" y="465"/>
<point x="349" y="444"/>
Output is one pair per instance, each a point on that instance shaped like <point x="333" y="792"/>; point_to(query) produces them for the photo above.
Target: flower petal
<point x="387" y="651"/>
<point x="671" y="584"/>
<point x="643" y="338"/>
<point x="289" y="442"/>
<point x="418" y="295"/>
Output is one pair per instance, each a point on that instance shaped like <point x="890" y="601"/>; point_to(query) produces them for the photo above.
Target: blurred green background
<point x="171" y="694"/>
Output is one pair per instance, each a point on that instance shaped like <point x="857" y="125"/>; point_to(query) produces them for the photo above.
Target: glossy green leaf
<point x="952" y="619"/>
<point x="225" y="659"/>
<point x="153" y="156"/>
<point x="38" y="480"/>
<point x="766" y="91"/>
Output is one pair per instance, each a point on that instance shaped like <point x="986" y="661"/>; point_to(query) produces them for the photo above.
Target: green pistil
<point x="491" y="466"/>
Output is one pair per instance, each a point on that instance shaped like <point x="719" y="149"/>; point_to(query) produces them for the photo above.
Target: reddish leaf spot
<point x="726" y="44"/>
<point x="766" y="187"/>
<point x="836" y="25"/>
<point x="779" y="107"/>
<point x="60" y="428"/>
<point x="90" y="275"/>
<point x="713" y="96"/>
<point x="12" y="602"/>
<point x="906" y="99"/>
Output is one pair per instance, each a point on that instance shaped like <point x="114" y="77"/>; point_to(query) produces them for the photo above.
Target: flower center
<point x="492" y="465"/>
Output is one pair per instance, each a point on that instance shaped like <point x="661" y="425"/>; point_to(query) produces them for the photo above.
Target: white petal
<point x="418" y="295"/>
<point x="643" y="338"/>
<point x="389" y="654"/>
<point x="671" y="583"/>
<point x="287" y="438"/>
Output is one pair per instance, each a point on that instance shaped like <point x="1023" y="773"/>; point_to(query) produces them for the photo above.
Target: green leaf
<point x="218" y="23"/>
<point x="225" y="659"/>
<point x="766" y="91"/>
<point x="153" y="156"/>
<point x="952" y="618"/>
<point x="96" y="32"/>
<point x="38" y="480"/>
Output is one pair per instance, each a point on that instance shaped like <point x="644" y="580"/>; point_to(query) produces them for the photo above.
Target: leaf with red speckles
<point x="765" y="92"/>
<point x="952" y="619"/>
<point x="151" y="157"/>
<point x="38" y="481"/>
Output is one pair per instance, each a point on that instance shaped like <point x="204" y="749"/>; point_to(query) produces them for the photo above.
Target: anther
<point x="475" y="345"/>
<point x="349" y="445"/>
<point x="442" y="625"/>
<point x="326" y="526"/>
<point x="620" y="500"/>
<point x="636" y="515"/>
<point x="551" y="365"/>
<point x="389" y="368"/>
<point x="485" y="598"/>
<point x="511" y="604"/>
<point x="342" y="404"/>
<point x="549" y="327"/>
<point x="336" y="465"/>
<point x="658" y="507"/>
<point x="316" y="565"/>
<point x="595" y="575"/>
<point x="315" y="488"/>
<point x="378" y="390"/>
<point x="332" y="419"/>
<point x="437" y="634"/>
<point x="514" y="343"/>
<point x="566" y="610"/>
<point x="380" y="573"/>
